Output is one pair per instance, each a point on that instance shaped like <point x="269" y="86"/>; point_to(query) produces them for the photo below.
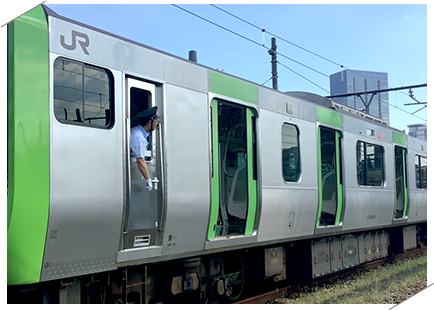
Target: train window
<point x="370" y="164"/>
<point x="83" y="94"/>
<point x="290" y="153"/>
<point x="421" y="171"/>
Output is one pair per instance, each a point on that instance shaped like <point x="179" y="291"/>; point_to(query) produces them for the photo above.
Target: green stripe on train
<point x="399" y="138"/>
<point x="226" y="85"/>
<point x="28" y="146"/>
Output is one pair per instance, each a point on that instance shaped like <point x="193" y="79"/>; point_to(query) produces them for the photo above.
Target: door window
<point x="140" y="100"/>
<point x="290" y="153"/>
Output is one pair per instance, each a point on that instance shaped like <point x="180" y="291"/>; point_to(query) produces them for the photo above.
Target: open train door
<point x="330" y="185"/>
<point x="401" y="190"/>
<point x="143" y="208"/>
<point x="234" y="178"/>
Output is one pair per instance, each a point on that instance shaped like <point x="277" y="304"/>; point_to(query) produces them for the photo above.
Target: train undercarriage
<point x="224" y="275"/>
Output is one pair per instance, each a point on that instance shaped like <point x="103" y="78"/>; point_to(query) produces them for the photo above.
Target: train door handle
<point x="155" y="182"/>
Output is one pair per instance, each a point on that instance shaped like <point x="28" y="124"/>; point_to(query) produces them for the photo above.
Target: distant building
<point x="352" y="81"/>
<point x="418" y="131"/>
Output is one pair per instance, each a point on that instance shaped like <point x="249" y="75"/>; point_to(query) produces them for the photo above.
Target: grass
<point x="388" y="284"/>
<point x="393" y="293"/>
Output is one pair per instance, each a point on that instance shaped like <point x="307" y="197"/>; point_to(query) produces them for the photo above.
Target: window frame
<point x="298" y="162"/>
<point x="111" y="86"/>
<point x="366" y="169"/>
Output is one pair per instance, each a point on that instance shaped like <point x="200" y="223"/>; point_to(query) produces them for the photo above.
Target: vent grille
<point x="142" y="240"/>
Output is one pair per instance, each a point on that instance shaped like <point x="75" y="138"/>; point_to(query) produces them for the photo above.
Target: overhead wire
<point x="256" y="43"/>
<point x="274" y="35"/>
<point x="283" y="55"/>
<point x="266" y="81"/>
<point x="296" y="45"/>
<point x="217" y="25"/>
<point x="301" y="76"/>
<point x="311" y="52"/>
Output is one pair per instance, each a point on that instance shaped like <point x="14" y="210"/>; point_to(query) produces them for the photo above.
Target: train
<point x="249" y="183"/>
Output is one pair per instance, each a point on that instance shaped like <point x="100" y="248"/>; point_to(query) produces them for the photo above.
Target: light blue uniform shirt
<point x="138" y="142"/>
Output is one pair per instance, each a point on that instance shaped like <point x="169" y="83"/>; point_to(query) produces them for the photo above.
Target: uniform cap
<point x="144" y="116"/>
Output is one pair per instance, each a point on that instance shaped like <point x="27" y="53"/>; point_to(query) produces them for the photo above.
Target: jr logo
<point x="75" y="37"/>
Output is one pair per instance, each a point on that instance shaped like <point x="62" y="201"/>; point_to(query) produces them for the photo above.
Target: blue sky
<point x="388" y="38"/>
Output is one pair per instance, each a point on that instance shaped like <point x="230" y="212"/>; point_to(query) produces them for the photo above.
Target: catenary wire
<point x="302" y="48"/>
<point x="296" y="45"/>
<point x="266" y="81"/>
<point x="262" y="45"/>
<point x="274" y="35"/>
<point x="252" y="41"/>
<point x="217" y="25"/>
<point x="301" y="76"/>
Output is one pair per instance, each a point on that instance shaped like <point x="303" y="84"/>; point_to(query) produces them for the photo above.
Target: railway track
<point x="285" y="291"/>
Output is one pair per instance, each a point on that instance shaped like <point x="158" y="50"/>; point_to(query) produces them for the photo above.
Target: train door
<point x="233" y="161"/>
<point x="143" y="216"/>
<point x="330" y="189"/>
<point x="401" y="190"/>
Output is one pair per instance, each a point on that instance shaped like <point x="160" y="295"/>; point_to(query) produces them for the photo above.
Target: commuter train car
<point x="249" y="182"/>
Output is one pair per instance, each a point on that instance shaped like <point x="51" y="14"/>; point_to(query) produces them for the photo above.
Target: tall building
<point x="352" y="81"/>
<point x="419" y="131"/>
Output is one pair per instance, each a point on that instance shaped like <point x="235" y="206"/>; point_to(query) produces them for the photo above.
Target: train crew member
<point x="148" y="121"/>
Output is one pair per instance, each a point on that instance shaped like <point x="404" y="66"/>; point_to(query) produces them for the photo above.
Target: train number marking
<point x="75" y="37"/>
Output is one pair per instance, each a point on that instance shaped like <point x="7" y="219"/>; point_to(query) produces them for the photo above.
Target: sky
<point x="389" y="38"/>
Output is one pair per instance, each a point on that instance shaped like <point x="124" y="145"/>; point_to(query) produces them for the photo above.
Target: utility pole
<point x="273" y="54"/>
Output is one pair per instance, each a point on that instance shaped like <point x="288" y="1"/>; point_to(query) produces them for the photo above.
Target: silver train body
<point x="94" y="225"/>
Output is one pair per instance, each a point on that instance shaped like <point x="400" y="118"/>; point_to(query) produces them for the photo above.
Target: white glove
<point x="148" y="184"/>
